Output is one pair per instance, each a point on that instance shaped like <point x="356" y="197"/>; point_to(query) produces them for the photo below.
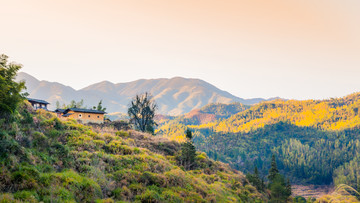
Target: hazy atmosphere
<point x="291" y="49"/>
<point x="254" y="101"/>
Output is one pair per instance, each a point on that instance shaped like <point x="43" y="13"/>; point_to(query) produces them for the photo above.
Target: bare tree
<point x="142" y="112"/>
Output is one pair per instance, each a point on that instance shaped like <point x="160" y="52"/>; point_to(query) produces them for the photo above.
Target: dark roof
<point x="59" y="110"/>
<point x="84" y="110"/>
<point x="66" y="115"/>
<point x="37" y="101"/>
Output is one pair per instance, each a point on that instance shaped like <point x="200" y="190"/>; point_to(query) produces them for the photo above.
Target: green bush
<point x="122" y="134"/>
<point x="150" y="196"/>
<point x="83" y="188"/>
<point x="26" y="177"/>
<point x="7" y="198"/>
<point x="27" y="196"/>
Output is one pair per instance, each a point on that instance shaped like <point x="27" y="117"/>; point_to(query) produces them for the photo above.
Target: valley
<point x="316" y="142"/>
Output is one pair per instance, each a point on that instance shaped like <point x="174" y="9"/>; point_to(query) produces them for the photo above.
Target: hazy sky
<point x="297" y="49"/>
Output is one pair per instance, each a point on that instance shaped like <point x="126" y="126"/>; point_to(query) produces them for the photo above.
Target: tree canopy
<point x="10" y="91"/>
<point x="142" y="112"/>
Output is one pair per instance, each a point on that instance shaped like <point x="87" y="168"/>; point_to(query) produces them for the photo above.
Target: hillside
<point x="315" y="141"/>
<point x="174" y="96"/>
<point x="43" y="159"/>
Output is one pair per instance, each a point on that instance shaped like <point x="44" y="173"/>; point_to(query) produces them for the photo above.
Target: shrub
<point x="27" y="196"/>
<point x="7" y="197"/>
<point x="84" y="189"/>
<point x="122" y="193"/>
<point x="171" y="196"/>
<point x="176" y="177"/>
<point x="117" y="147"/>
<point x="149" y="178"/>
<point x="149" y="196"/>
<point x="25" y="178"/>
<point x="108" y="200"/>
<point x="40" y="140"/>
<point x="122" y="133"/>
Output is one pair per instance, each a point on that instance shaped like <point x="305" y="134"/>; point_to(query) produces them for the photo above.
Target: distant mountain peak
<point x="174" y="96"/>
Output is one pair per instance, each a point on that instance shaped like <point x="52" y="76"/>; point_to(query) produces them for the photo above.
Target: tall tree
<point x="255" y="179"/>
<point x="278" y="190"/>
<point x="188" y="134"/>
<point x="273" y="172"/>
<point x="99" y="107"/>
<point x="142" y="112"/>
<point x="288" y="187"/>
<point x="10" y="91"/>
<point x="188" y="151"/>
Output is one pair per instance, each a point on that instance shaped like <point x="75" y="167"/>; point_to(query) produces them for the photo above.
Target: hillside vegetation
<point x="174" y="127"/>
<point x="315" y="142"/>
<point x="45" y="159"/>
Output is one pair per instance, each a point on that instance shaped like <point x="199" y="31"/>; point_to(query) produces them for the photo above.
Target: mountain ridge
<point x="174" y="96"/>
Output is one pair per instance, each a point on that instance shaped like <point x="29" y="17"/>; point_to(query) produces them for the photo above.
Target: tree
<point x="188" y="134"/>
<point x="255" y="180"/>
<point x="142" y="112"/>
<point x="273" y="172"/>
<point x="288" y="187"/>
<point x="99" y="107"/>
<point x="58" y="106"/>
<point x="10" y="91"/>
<point x="188" y="152"/>
<point x="72" y="104"/>
<point x="278" y="190"/>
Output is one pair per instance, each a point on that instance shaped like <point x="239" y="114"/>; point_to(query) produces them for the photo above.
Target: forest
<point x="315" y="141"/>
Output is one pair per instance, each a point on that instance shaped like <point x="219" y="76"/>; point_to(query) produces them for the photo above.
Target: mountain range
<point x="174" y="96"/>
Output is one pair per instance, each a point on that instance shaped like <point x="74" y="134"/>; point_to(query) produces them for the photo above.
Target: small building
<point x="82" y="115"/>
<point x="38" y="103"/>
<point x="59" y="112"/>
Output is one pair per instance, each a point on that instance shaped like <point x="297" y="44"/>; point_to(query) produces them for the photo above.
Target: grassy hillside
<point x="343" y="193"/>
<point x="45" y="159"/>
<point x="310" y="138"/>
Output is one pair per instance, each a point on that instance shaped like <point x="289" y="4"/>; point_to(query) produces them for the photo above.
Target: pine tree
<point x="273" y="172"/>
<point x="255" y="179"/>
<point x="188" y="152"/>
<point x="188" y="134"/>
<point x="288" y="187"/>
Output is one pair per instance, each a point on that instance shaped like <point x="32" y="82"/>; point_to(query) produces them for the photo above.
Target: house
<point x="38" y="103"/>
<point x="82" y="115"/>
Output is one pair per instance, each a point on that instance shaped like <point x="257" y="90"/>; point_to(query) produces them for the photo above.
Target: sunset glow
<point x="287" y="48"/>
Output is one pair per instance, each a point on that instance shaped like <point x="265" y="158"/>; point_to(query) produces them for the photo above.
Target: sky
<point x="294" y="49"/>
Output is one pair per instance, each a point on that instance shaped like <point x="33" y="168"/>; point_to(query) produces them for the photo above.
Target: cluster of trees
<point x="306" y="155"/>
<point x="349" y="174"/>
<point x="79" y="104"/>
<point x="280" y="190"/>
<point x="224" y="110"/>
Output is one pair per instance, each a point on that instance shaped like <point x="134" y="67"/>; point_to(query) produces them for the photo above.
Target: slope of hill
<point x="174" y="96"/>
<point x="343" y="193"/>
<point x="43" y="159"/>
<point x="311" y="139"/>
